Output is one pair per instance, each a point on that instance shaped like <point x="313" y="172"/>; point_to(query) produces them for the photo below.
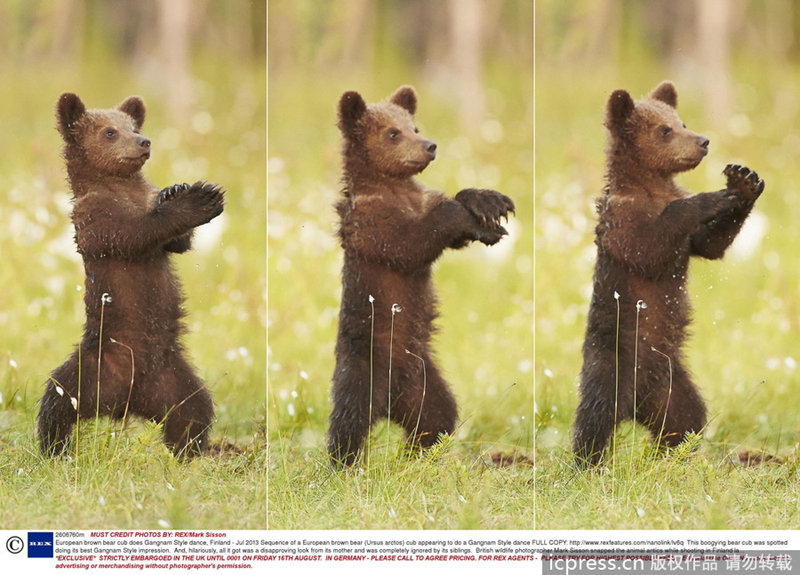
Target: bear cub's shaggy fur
<point x="125" y="230"/>
<point x="633" y="366"/>
<point x="392" y="229"/>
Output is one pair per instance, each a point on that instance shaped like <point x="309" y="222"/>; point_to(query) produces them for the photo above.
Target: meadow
<point x="484" y="344"/>
<point x="744" y="338"/>
<point x="118" y="478"/>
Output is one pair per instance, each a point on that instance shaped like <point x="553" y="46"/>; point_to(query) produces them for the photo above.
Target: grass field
<point x="484" y="345"/>
<point x="744" y="343"/>
<point x="129" y="480"/>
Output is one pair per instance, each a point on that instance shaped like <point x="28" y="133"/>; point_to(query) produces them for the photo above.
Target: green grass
<point x="744" y="336"/>
<point x="484" y="344"/>
<point x="129" y="479"/>
<point x="703" y="489"/>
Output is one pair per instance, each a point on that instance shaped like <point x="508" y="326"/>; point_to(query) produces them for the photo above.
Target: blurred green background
<point x="736" y="66"/>
<point x="201" y="69"/>
<point x="471" y="64"/>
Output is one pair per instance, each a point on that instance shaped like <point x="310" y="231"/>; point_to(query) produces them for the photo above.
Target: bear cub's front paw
<point x="490" y="236"/>
<point x="207" y="199"/>
<point x="743" y="182"/>
<point x="171" y="192"/>
<point x="487" y="206"/>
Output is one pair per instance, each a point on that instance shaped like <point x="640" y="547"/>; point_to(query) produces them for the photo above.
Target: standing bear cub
<point x="633" y="366"/>
<point x="130" y="359"/>
<point x="392" y="229"/>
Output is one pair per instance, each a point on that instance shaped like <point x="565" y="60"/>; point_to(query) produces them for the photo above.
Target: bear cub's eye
<point x="110" y="133"/>
<point x="666" y="131"/>
<point x="394" y="133"/>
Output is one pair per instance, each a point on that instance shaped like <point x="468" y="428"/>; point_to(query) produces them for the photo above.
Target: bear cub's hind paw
<point x="743" y="181"/>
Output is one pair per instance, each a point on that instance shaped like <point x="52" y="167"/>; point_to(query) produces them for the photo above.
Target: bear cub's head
<point x="650" y="132"/>
<point x="383" y="136"/>
<point x="107" y="142"/>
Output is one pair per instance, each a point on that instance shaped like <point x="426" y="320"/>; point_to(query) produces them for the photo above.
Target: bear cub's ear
<point x="70" y="110"/>
<point x="351" y="108"/>
<point x="134" y="107"/>
<point x="666" y="92"/>
<point x="619" y="109"/>
<point x="406" y="98"/>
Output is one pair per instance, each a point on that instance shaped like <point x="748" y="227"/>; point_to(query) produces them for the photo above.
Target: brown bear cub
<point x="392" y="229"/>
<point x="130" y="359"/>
<point x="633" y="366"/>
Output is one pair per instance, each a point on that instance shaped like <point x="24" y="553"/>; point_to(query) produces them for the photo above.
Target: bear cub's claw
<point x="171" y="192"/>
<point x="487" y="206"/>
<point x="743" y="181"/>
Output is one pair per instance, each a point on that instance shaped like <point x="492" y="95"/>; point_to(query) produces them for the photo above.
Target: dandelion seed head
<point x="371" y="299"/>
<point x="294" y="394"/>
<point x="396" y="308"/>
<point x="616" y="295"/>
<point x="290" y="409"/>
<point x="106" y="298"/>
<point x="12" y="363"/>
<point x="548" y="372"/>
<point x="641" y="305"/>
<point x="304" y="375"/>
